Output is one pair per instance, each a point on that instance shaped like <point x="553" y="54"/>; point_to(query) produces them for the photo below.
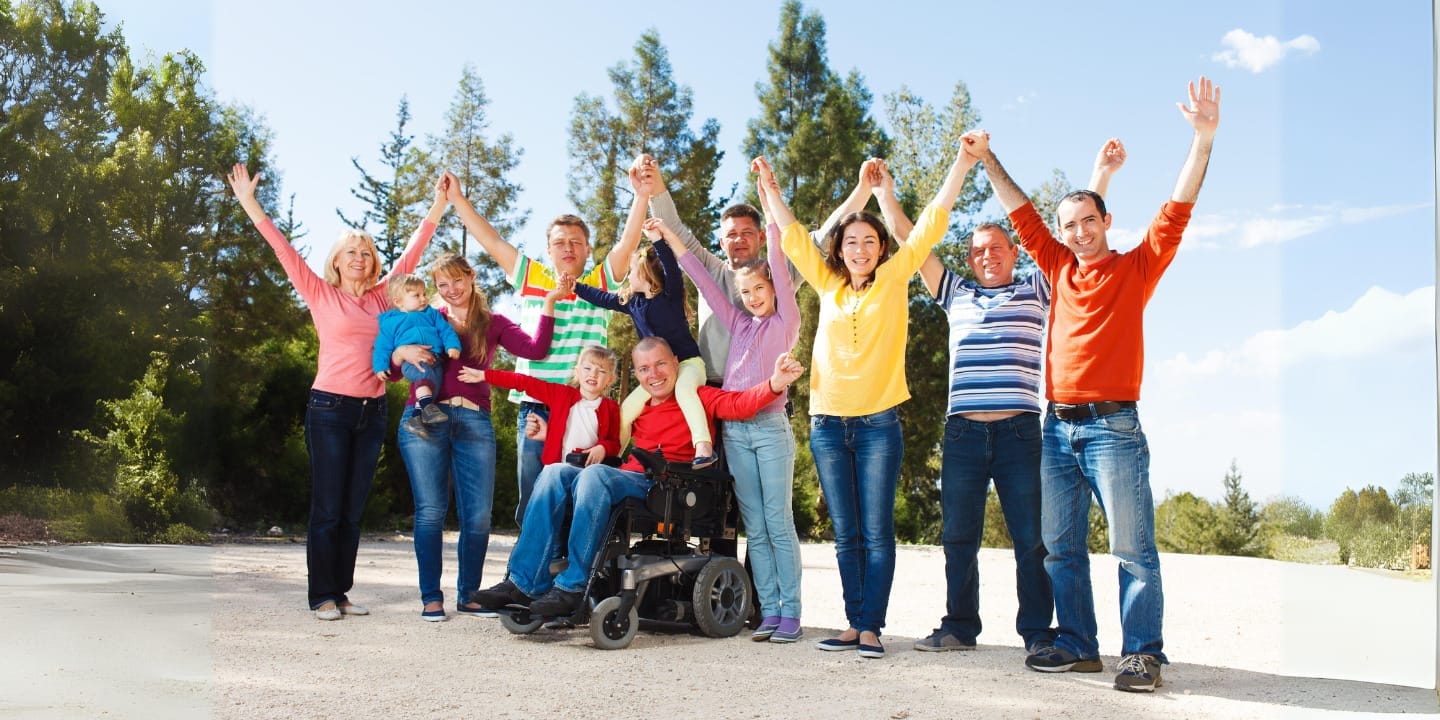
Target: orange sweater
<point x="1096" y="346"/>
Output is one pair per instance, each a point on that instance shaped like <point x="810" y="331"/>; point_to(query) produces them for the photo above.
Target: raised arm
<point x="1203" y="114"/>
<point x="663" y="206"/>
<point x="410" y="257"/>
<point x="775" y="202"/>
<point x="949" y="190"/>
<point x="624" y="249"/>
<point x="900" y="224"/>
<point x="1107" y="162"/>
<point x="503" y="253"/>
<point x="243" y="184"/>
<point x="976" y="143"/>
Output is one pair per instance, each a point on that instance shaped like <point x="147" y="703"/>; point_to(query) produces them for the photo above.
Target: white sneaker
<point x="327" y="611"/>
<point x="350" y="608"/>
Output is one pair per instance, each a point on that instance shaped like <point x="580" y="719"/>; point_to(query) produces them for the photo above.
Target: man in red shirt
<point x="1092" y="441"/>
<point x="598" y="488"/>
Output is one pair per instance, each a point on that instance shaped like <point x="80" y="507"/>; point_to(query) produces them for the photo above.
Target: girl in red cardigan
<point x="582" y="418"/>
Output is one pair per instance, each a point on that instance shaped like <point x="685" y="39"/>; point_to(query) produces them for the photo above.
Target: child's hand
<point x="536" y="427"/>
<point x="384" y="375"/>
<point x="564" y="287"/>
<point x="471" y="375"/>
<point x="453" y="353"/>
<point x="595" y="455"/>
<point x="655" y="229"/>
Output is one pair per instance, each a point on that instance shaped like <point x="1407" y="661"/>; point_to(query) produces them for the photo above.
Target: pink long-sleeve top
<point x="345" y="324"/>
<point x="755" y="342"/>
<point x="502" y="333"/>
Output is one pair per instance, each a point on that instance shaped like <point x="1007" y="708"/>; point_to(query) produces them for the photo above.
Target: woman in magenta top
<point x="461" y="451"/>
<point x="345" y="417"/>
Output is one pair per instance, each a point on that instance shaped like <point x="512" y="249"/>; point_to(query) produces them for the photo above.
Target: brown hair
<point x="835" y="237"/>
<point x="477" y="313"/>
<point x="744" y="210"/>
<point x="571" y="220"/>
<point x="647" y="262"/>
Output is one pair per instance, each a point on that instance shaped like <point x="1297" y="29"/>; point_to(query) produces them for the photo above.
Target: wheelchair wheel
<point x="508" y="621"/>
<point x="608" y="629"/>
<point x="722" y="597"/>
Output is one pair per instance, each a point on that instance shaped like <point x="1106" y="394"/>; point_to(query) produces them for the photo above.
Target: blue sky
<point x="1295" y="332"/>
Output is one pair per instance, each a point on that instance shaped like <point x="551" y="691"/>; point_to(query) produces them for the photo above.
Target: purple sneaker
<point x="767" y="626"/>
<point x="788" y="632"/>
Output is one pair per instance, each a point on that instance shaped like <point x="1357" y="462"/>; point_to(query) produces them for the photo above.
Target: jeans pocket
<point x="884" y="418"/>
<point x="1123" y="421"/>
<point x="1027" y="426"/>
<point x="322" y="401"/>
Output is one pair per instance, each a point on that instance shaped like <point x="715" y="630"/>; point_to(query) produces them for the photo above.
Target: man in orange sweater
<point x="1092" y="441"/>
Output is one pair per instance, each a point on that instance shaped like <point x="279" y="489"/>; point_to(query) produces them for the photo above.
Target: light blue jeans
<point x="527" y="456"/>
<point x="858" y="460"/>
<point x="595" y="489"/>
<point x="462" y="450"/>
<point x="761" y="456"/>
<point x="1109" y="457"/>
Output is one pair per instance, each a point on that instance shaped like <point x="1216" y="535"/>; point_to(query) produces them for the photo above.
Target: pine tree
<point x="392" y="200"/>
<point x="483" y="168"/>
<point x="1238" y="519"/>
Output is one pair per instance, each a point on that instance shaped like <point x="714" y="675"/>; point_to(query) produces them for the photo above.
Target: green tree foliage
<point x="1352" y="512"/>
<point x="119" y="241"/>
<point x="1237" y="530"/>
<point x="1185" y="523"/>
<point x="1293" y="516"/>
<point x="648" y="112"/>
<point x="483" y="167"/>
<point x="391" y="201"/>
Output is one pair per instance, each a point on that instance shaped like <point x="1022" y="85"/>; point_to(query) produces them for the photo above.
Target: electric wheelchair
<point x="668" y="562"/>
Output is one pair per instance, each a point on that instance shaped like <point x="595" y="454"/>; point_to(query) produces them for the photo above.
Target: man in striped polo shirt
<point x="577" y="322"/>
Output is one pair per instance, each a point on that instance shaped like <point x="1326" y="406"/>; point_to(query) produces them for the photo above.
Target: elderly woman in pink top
<point x="345" y="417"/>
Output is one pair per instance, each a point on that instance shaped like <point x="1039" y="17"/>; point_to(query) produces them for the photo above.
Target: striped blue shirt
<point x="995" y="343"/>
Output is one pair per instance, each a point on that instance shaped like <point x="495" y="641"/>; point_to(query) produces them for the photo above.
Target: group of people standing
<point x="570" y="436"/>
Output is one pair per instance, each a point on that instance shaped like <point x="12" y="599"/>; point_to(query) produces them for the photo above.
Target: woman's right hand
<point x="241" y="183"/>
<point x="418" y="355"/>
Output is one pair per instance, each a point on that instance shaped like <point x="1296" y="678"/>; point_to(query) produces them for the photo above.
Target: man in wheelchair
<point x="597" y="488"/>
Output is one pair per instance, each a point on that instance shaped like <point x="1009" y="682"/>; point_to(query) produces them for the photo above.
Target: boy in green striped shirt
<point x="577" y="322"/>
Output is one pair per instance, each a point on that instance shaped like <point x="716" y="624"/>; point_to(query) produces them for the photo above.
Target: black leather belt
<point x="1085" y="411"/>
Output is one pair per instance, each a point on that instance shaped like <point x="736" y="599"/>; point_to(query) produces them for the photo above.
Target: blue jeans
<point x="1007" y="451"/>
<point x="761" y="457"/>
<point x="1107" y="456"/>
<point x="343" y="435"/>
<point x="527" y="456"/>
<point x="462" y="451"/>
<point x="858" y="461"/>
<point x="424" y="375"/>
<point x="595" y="490"/>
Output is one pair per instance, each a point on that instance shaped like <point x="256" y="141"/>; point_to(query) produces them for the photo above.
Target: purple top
<point x="502" y="333"/>
<point x="754" y="342"/>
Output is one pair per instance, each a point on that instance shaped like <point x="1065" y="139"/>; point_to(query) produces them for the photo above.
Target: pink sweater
<point x="345" y="324"/>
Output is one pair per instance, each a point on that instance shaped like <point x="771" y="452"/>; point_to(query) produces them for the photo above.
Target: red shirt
<point x="1096" y="348"/>
<point x="662" y="427"/>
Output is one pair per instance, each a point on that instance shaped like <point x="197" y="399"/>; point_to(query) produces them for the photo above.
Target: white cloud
<point x="1257" y="54"/>
<point x="1379" y="322"/>
<point x="1019" y="100"/>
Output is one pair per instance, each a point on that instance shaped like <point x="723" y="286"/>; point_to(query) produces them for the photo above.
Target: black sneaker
<point x="1138" y="673"/>
<point x="433" y="415"/>
<point x="1049" y="658"/>
<point x="555" y="603"/>
<point x="502" y="594"/>
<point x="416" y="426"/>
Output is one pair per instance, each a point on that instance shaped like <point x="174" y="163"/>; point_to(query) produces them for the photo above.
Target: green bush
<point x="1380" y="545"/>
<point x="1301" y="549"/>
<point x="181" y="534"/>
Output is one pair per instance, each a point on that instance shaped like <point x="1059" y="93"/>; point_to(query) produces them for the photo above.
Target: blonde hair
<point x="398" y="284"/>
<point x="347" y="238"/>
<point x="600" y="353"/>
<point x="477" y="313"/>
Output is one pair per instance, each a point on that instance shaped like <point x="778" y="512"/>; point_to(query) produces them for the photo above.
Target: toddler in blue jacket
<point x="414" y="322"/>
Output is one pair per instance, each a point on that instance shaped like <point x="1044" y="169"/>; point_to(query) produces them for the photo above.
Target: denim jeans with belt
<point x="528" y="462"/>
<point x="595" y="490"/>
<point x="1109" y="457"/>
<point x="1008" y="452"/>
<point x="858" y="461"/>
<point x="343" y="435"/>
<point x="760" y="454"/>
<point x="462" y="450"/>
